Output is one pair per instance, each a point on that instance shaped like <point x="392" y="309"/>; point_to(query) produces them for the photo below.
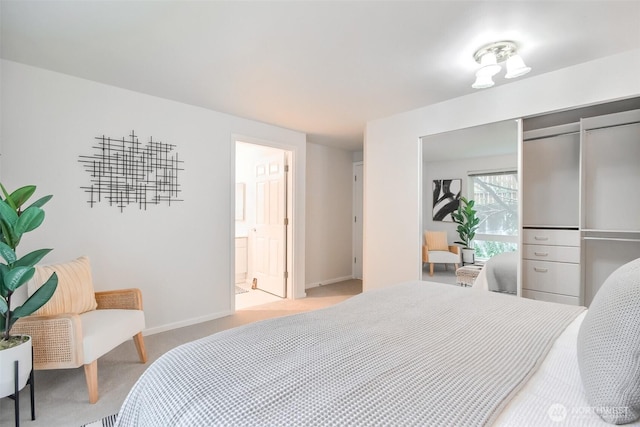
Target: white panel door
<point x="270" y="231"/>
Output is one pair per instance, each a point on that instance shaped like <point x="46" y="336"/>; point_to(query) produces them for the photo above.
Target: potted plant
<point x="468" y="223"/>
<point x="15" y="272"/>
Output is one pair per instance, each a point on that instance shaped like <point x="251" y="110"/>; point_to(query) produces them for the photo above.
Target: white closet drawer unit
<point x="554" y="277"/>
<point x="551" y="253"/>
<point x="538" y="236"/>
<point x="544" y="296"/>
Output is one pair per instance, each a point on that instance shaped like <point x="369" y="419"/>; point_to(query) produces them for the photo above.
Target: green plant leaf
<point x="30" y="219"/>
<point x="7" y="213"/>
<point x="3" y="306"/>
<point x="5" y="234"/>
<point x="32" y="258"/>
<point x="7" y="197"/>
<point x="9" y="235"/>
<point x="21" y="195"/>
<point x="4" y="269"/>
<point x="38" y="299"/>
<point x="16" y="277"/>
<point x="41" y="201"/>
<point x="8" y="254"/>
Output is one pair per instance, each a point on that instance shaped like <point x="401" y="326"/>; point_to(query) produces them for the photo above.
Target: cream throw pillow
<point x="436" y="240"/>
<point x="74" y="294"/>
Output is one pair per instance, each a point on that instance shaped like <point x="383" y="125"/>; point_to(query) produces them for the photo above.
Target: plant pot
<point x="21" y="353"/>
<point x="468" y="256"/>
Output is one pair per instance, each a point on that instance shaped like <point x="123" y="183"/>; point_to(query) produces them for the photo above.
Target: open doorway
<point x="262" y="216"/>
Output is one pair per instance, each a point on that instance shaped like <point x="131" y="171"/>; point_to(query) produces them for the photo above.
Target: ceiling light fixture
<point x="490" y="56"/>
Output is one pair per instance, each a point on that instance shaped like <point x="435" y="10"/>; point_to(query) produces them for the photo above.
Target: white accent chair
<point x="77" y="325"/>
<point x="436" y="250"/>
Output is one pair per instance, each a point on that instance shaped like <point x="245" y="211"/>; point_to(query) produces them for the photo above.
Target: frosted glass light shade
<point x="482" y="81"/>
<point x="516" y="67"/>
<point x="489" y="65"/>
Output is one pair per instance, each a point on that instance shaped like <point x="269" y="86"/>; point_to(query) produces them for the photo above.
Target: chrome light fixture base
<point x="502" y="50"/>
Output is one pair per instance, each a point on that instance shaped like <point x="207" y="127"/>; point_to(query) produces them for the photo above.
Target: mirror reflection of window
<point x="496" y="201"/>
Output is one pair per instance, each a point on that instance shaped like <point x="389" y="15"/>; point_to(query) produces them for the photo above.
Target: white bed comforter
<point x="417" y="353"/>
<point x="499" y="273"/>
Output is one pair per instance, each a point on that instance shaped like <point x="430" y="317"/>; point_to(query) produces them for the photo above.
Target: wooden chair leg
<point x="91" y="372"/>
<point x="456" y="266"/>
<point x="142" y="351"/>
<point x="431" y="269"/>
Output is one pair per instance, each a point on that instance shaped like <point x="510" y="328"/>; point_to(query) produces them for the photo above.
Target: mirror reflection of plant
<point x="14" y="222"/>
<point x="467" y="222"/>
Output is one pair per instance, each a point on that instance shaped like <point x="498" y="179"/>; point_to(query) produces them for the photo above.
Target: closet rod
<point x="551" y="135"/>
<point x="587" y="129"/>
<point x="614" y="239"/>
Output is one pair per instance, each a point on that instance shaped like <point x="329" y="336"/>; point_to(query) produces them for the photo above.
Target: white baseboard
<point x="327" y="282"/>
<point x="183" y="323"/>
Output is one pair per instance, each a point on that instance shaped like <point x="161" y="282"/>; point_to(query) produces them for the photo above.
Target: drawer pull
<point x="540" y="237"/>
<point x="540" y="270"/>
<point x="541" y="253"/>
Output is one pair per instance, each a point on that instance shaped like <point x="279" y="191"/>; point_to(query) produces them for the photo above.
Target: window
<point x="496" y="201"/>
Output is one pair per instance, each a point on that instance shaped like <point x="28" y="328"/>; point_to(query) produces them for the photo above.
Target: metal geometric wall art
<point x="446" y="198"/>
<point x="125" y="172"/>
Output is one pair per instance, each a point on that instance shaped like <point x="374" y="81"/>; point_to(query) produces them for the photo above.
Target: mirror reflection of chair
<point x="436" y="250"/>
<point x="78" y="325"/>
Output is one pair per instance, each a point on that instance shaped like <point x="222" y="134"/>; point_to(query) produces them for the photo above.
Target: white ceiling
<point x="321" y="67"/>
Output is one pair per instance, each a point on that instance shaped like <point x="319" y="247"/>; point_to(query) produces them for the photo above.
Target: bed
<point x="499" y="273"/>
<point x="416" y="353"/>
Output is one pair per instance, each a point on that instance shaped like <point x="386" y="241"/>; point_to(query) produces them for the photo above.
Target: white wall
<point x="393" y="162"/>
<point x="329" y="215"/>
<point x="180" y="256"/>
<point x="456" y="169"/>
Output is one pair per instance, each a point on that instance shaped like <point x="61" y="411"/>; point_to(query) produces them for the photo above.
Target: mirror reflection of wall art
<point x="446" y="198"/>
